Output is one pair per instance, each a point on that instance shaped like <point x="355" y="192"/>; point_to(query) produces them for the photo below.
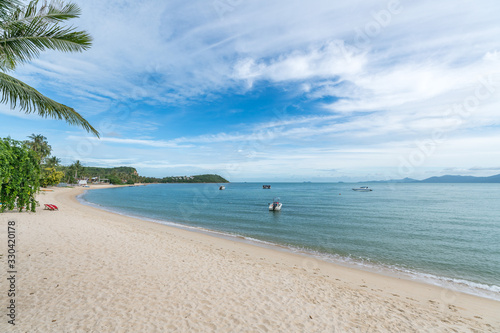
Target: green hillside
<point x="129" y="175"/>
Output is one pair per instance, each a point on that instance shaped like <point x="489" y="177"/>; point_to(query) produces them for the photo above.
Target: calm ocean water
<point x="445" y="234"/>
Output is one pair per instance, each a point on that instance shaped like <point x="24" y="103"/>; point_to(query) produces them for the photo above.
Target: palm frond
<point x="22" y="45"/>
<point x="7" y="6"/>
<point x="29" y="100"/>
<point x="55" y="11"/>
<point x="33" y="29"/>
<point x="59" y="11"/>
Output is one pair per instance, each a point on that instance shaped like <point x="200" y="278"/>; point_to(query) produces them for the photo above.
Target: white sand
<point x="81" y="269"/>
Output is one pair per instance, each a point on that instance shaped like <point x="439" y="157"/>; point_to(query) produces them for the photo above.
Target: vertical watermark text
<point x="11" y="272"/>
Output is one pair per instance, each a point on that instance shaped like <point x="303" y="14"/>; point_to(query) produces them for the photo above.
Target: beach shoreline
<point x="83" y="269"/>
<point x="468" y="287"/>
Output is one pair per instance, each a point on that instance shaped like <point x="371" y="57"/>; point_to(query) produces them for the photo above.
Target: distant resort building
<point x="93" y="180"/>
<point x="183" y="178"/>
<point x="98" y="180"/>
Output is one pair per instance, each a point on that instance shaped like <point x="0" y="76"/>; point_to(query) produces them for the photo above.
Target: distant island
<point x="206" y="178"/>
<point x="444" y="179"/>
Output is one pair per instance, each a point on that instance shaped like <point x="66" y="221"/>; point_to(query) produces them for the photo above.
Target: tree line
<point x="25" y="166"/>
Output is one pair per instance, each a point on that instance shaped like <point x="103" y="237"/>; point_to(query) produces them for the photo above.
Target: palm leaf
<point x="55" y="11"/>
<point x="30" y="100"/>
<point x="7" y="6"/>
<point x="32" y="29"/>
<point x="59" y="11"/>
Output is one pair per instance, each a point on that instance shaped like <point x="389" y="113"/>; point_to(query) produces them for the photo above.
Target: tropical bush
<point x="19" y="175"/>
<point x="114" y="180"/>
<point x="50" y="176"/>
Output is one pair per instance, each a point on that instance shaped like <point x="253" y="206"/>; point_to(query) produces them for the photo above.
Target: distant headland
<point x="129" y="175"/>
<point x="444" y="179"/>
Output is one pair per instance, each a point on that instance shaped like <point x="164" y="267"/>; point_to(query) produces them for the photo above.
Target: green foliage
<point x="209" y="179"/>
<point x="25" y="31"/>
<point x="19" y="175"/>
<point x="52" y="162"/>
<point x="123" y="172"/>
<point x="77" y="168"/>
<point x="39" y="145"/>
<point x="129" y="175"/>
<point x="34" y="28"/>
<point x="50" y="176"/>
<point x="117" y="174"/>
<point x="114" y="180"/>
<point x="194" y="179"/>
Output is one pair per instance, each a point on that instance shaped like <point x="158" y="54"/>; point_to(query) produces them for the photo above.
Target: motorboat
<point x="276" y="205"/>
<point x="362" y="189"/>
<point x="222" y="188"/>
<point x="266" y="186"/>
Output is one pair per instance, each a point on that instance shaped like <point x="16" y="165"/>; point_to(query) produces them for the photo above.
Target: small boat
<point x="266" y="186"/>
<point x="362" y="189"/>
<point x="276" y="205"/>
<point x="222" y="188"/>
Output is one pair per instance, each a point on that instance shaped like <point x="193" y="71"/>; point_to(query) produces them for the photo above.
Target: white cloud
<point x="380" y="91"/>
<point x="397" y="86"/>
<point x="326" y="61"/>
<point x="176" y="50"/>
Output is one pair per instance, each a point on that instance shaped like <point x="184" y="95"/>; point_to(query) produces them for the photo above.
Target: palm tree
<point x="52" y="162"/>
<point x="27" y="30"/>
<point x="40" y="145"/>
<point x="77" y="166"/>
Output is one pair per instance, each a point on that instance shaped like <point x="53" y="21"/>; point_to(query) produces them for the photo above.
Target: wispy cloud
<point x="326" y="61"/>
<point x="485" y="168"/>
<point x="139" y="142"/>
<point x="320" y="85"/>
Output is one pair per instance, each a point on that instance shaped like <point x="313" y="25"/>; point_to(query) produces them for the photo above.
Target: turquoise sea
<point x="444" y="234"/>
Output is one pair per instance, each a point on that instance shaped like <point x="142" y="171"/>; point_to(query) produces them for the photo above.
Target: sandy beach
<point x="81" y="269"/>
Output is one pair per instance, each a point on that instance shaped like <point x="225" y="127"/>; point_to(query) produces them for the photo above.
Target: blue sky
<point x="281" y="90"/>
